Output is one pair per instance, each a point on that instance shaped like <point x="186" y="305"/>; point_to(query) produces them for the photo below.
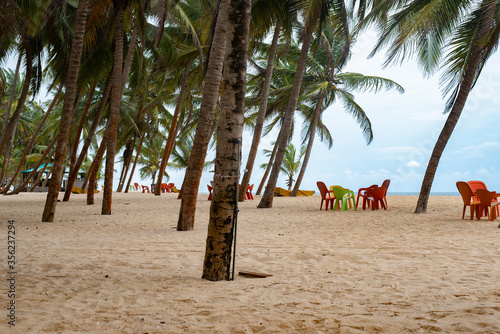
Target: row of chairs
<point x="165" y="188"/>
<point x="248" y="194"/>
<point x="339" y="197"/>
<point x="479" y="199"/>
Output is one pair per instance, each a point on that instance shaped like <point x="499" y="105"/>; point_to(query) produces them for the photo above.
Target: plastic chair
<point x="362" y="192"/>
<point x="475" y="185"/>
<point x="248" y="194"/>
<point x="343" y="195"/>
<point x="164" y="188"/>
<point x="145" y="189"/>
<point x="487" y="200"/>
<point x="136" y="185"/>
<point x="326" y="195"/>
<point x="375" y="196"/>
<point x="467" y="194"/>
<point x="209" y="192"/>
<point x="385" y="185"/>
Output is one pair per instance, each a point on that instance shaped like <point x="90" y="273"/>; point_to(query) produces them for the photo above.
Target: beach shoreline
<point x="332" y="272"/>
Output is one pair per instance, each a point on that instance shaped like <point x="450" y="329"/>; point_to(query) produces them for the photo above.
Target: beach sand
<point x="332" y="272"/>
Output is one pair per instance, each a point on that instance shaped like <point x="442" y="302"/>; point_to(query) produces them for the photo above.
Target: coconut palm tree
<point x="456" y="36"/>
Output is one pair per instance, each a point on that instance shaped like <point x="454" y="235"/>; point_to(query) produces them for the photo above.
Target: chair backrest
<point x="322" y="189"/>
<point x="338" y="191"/>
<point x="250" y="188"/>
<point x="475" y="185"/>
<point x="465" y="191"/>
<point x="136" y="186"/>
<point x="485" y="196"/>
<point x="376" y="193"/>
<point x="386" y="184"/>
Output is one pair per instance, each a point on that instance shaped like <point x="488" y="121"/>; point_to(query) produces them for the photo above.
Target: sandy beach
<point x="332" y="272"/>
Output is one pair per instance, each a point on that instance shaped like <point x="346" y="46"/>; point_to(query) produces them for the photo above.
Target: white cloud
<point x="413" y="163"/>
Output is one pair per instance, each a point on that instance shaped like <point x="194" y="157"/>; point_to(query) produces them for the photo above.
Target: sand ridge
<point x="333" y="272"/>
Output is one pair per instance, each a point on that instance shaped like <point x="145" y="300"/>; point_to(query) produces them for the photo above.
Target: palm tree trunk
<point x="268" y="169"/>
<point x="12" y="95"/>
<point x="458" y="105"/>
<point x="135" y="160"/>
<point x="224" y="206"/>
<point x="13" y="121"/>
<point x="172" y="134"/>
<point x="67" y="112"/>
<point x="33" y="138"/>
<point x="116" y="93"/>
<point x="88" y="141"/>
<point x="267" y="199"/>
<point x="94" y="170"/>
<point x="127" y="158"/>
<point x="205" y="122"/>
<point x="41" y="174"/>
<point x="83" y="119"/>
<point x="261" y="114"/>
<point x="312" y="134"/>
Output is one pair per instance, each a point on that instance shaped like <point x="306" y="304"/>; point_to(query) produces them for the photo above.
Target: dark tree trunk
<point x="114" y="112"/>
<point x="67" y="113"/>
<point x="456" y="111"/>
<point x="261" y="115"/>
<point x="268" y="169"/>
<point x="204" y="127"/>
<point x="227" y="164"/>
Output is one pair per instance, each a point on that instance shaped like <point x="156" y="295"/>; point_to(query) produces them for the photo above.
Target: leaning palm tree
<point x="456" y="36"/>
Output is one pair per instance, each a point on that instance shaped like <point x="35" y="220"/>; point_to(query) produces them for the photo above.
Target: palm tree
<point x="223" y="209"/>
<point x="468" y="31"/>
<point x="315" y="12"/>
<point x="204" y="127"/>
<point x="69" y="97"/>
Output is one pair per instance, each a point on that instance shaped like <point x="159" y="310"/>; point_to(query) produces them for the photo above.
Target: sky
<point x="405" y="128"/>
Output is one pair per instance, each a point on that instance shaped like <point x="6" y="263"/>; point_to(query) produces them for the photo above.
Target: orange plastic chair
<point x="487" y="200"/>
<point x="164" y="188"/>
<point x="326" y="195"/>
<point x="375" y="196"/>
<point x="466" y="192"/>
<point x="209" y="192"/>
<point x="248" y="194"/>
<point x="145" y="189"/>
<point x="385" y="185"/>
<point x="475" y="185"/>
<point x="136" y="185"/>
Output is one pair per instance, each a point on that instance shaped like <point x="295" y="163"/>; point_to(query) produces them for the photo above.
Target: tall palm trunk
<point x="458" y="105"/>
<point x="39" y="178"/>
<point x="12" y="95"/>
<point x="172" y="134"/>
<point x="227" y="163"/>
<point x="88" y="141"/>
<point x="94" y="170"/>
<point x="33" y="138"/>
<point x="268" y="169"/>
<point x="67" y="112"/>
<point x="116" y="93"/>
<point x="127" y="157"/>
<point x="267" y="199"/>
<point x="135" y="160"/>
<point x="312" y="134"/>
<point x="259" y="124"/>
<point x="204" y="127"/>
<point x="83" y="119"/>
<point x="14" y="120"/>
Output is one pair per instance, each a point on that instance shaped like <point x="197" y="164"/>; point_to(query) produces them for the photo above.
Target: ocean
<point x="433" y="193"/>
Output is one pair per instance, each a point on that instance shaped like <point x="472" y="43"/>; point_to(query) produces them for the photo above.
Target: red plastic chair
<point x="326" y="195"/>
<point x="248" y="194"/>
<point x="467" y="194"/>
<point x="475" y="185"/>
<point x="375" y="196"/>
<point x="164" y="188"/>
<point x="136" y="185"/>
<point x="487" y="200"/>
<point x="385" y="185"/>
<point x="209" y="192"/>
<point x="145" y="189"/>
<point x="362" y="193"/>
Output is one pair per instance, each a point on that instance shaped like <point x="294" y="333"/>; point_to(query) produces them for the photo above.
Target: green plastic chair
<point x="344" y="195"/>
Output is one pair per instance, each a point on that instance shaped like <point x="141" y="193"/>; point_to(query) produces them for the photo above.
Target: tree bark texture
<point x="67" y="112"/>
<point x="228" y="157"/>
<point x="204" y="128"/>
<point x="259" y="124"/>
